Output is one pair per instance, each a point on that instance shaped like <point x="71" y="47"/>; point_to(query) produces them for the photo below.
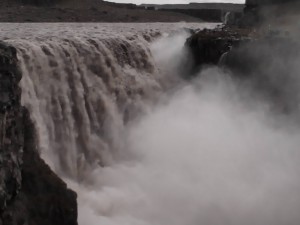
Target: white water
<point x="203" y="153"/>
<point x="82" y="82"/>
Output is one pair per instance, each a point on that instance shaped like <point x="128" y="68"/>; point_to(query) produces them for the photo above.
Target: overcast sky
<point x="173" y="1"/>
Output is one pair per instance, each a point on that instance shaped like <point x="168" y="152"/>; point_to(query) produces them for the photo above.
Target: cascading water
<point x="197" y="155"/>
<point x="82" y="85"/>
<point x="81" y="92"/>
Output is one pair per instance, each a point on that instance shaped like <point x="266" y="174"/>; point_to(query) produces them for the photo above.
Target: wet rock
<point x="11" y="141"/>
<point x="208" y="46"/>
<point x="265" y="12"/>
<point x="270" y="65"/>
<point x="266" y="62"/>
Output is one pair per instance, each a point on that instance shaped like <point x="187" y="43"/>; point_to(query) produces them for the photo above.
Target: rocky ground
<point x="85" y="11"/>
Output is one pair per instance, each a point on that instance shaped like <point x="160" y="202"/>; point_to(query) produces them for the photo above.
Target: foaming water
<point x="199" y="154"/>
<point x="83" y="82"/>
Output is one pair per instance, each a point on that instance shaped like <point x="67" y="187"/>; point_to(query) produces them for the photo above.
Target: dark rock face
<point x="270" y="65"/>
<point x="208" y="46"/>
<point x="259" y="12"/>
<point x="30" y="193"/>
<point x="11" y="140"/>
<point x="267" y="62"/>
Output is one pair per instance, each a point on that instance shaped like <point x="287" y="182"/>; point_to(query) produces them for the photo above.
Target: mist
<point x="201" y="157"/>
<point x="211" y="151"/>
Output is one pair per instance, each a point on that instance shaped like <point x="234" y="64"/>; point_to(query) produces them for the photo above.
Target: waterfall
<point x="141" y="146"/>
<point x="81" y="92"/>
<point x="82" y="83"/>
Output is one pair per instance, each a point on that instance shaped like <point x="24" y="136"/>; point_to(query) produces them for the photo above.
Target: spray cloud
<point x="212" y="152"/>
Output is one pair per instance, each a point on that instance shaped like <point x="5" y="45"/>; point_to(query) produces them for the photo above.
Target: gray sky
<point x="173" y="1"/>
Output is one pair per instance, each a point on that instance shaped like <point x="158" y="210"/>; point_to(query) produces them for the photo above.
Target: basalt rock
<point x="270" y="65"/>
<point x="265" y="61"/>
<point x="11" y="138"/>
<point x="30" y="193"/>
<point x="208" y="46"/>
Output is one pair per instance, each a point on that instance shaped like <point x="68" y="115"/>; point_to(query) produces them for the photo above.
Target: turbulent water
<point x="143" y="147"/>
<point x="82" y="82"/>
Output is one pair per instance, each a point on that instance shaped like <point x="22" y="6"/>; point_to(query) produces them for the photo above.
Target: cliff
<point x="265" y="61"/>
<point x="30" y="193"/>
<point x="270" y="12"/>
<point x="208" y="46"/>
